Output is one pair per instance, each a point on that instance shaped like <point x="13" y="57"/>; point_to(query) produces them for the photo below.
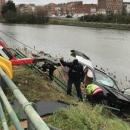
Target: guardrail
<point x="3" y="119"/>
<point x="19" y="54"/>
<point x="34" y="120"/>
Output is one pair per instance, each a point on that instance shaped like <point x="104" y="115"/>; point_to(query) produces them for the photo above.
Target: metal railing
<point x="59" y="82"/>
<point x="34" y="120"/>
<point x="3" y="119"/>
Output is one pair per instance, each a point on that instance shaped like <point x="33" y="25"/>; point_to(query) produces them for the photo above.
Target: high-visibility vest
<point x="92" y="89"/>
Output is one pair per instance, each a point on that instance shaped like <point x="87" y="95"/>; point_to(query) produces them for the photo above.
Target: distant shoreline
<point x="71" y="22"/>
<point x="74" y="22"/>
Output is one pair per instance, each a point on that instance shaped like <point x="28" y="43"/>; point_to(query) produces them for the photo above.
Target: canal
<point x="107" y="48"/>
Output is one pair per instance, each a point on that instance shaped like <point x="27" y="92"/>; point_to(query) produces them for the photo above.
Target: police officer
<point x="75" y="74"/>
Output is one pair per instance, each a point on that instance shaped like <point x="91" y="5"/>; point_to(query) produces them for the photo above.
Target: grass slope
<point x="36" y="86"/>
<point x="86" y="117"/>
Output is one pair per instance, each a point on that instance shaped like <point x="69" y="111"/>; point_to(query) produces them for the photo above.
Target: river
<point x="106" y="47"/>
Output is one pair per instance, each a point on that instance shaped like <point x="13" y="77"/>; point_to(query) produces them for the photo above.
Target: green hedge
<point x="113" y="18"/>
<point x="26" y="18"/>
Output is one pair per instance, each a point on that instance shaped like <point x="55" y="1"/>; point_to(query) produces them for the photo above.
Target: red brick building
<point x="2" y="2"/>
<point x="90" y="8"/>
<point x="61" y="9"/>
<point x="110" y="6"/>
<point x="75" y="7"/>
<point x="51" y="8"/>
<point x="71" y="8"/>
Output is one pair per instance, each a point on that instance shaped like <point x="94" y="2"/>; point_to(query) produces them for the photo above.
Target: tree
<point x="124" y="11"/>
<point x="9" y="10"/>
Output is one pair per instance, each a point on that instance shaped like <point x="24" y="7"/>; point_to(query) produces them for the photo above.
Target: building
<point x="89" y="9"/>
<point x="75" y="9"/>
<point x="51" y="9"/>
<point x="2" y="2"/>
<point x="26" y="8"/>
<point x="63" y="9"/>
<point x="126" y="6"/>
<point x="110" y="6"/>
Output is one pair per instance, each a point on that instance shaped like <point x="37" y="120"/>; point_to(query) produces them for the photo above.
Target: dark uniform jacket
<point x="75" y="70"/>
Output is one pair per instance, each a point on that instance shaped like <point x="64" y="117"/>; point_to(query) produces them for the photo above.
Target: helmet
<point x="89" y="73"/>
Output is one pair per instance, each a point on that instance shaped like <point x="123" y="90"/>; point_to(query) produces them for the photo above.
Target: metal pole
<point x="10" y="111"/>
<point x="3" y="119"/>
<point x="36" y="120"/>
<point x="30" y="125"/>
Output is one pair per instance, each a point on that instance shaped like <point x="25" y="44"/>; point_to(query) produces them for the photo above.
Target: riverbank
<point x="81" y="116"/>
<point x="74" y="22"/>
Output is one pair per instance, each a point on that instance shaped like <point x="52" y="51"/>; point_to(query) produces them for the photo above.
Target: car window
<point x="104" y="79"/>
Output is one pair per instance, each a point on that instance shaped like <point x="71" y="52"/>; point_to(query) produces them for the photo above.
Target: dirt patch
<point x="37" y="86"/>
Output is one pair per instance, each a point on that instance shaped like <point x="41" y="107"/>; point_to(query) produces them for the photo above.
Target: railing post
<point x="10" y="110"/>
<point x="3" y="119"/>
<point x="30" y="125"/>
<point x="3" y="84"/>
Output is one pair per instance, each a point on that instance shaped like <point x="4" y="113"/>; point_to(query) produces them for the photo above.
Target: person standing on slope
<point x="75" y="74"/>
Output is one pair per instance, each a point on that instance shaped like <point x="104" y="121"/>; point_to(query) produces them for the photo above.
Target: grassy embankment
<point x="80" y="117"/>
<point x="70" y="22"/>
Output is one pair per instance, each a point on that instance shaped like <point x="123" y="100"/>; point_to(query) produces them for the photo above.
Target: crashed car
<point x="115" y="97"/>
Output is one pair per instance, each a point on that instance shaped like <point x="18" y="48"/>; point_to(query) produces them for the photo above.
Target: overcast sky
<point x="39" y="2"/>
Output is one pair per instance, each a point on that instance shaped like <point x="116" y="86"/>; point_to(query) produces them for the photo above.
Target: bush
<point x="26" y="18"/>
<point x="111" y="18"/>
